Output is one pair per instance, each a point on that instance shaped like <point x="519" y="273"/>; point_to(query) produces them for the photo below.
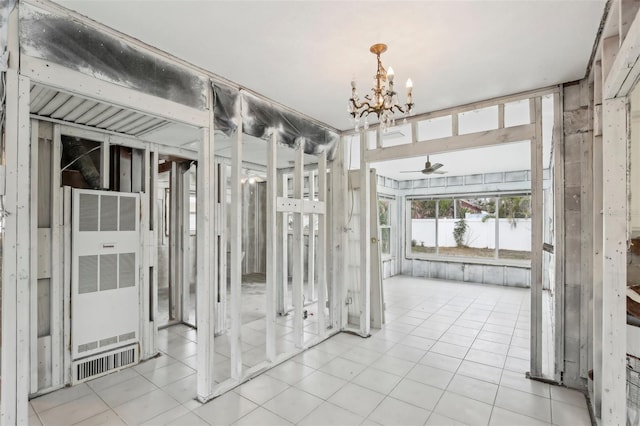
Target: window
<point x="384" y="221"/>
<point x="423" y="226"/>
<point x="471" y="227"/>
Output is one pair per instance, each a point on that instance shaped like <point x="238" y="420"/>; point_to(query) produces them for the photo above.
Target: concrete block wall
<point x="577" y="140"/>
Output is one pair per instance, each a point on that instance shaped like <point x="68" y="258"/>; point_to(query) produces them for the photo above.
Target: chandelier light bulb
<point x="390" y="74"/>
<point x="409" y="84"/>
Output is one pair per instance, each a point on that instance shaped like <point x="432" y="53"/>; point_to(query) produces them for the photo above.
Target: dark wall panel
<point x="260" y="117"/>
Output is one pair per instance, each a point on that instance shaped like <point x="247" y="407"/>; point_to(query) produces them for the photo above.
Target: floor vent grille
<point x="102" y="364"/>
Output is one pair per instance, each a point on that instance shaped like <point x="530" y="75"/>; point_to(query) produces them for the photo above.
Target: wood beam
<point x="614" y="223"/>
<point x="365" y="238"/>
<point x="452" y="143"/>
<point x="298" y="250"/>
<point x="205" y="262"/>
<point x="236" y="253"/>
<point x="628" y="10"/>
<point x="536" y="239"/>
<point x="272" y="246"/>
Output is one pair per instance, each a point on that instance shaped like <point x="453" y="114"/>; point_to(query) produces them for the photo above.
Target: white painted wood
<point x="66" y="230"/>
<point x="282" y="236"/>
<point x="621" y="52"/>
<point x="175" y="245"/>
<point x="598" y="369"/>
<point x="272" y="247"/>
<point x="496" y="252"/>
<point x="298" y="250"/>
<point x="500" y="116"/>
<point x="206" y="266"/>
<point x="586" y="245"/>
<point x="139" y="142"/>
<point x="537" y="227"/>
<point x="615" y="256"/>
<point x="414" y="131"/>
<point x="74" y="82"/>
<point x="322" y="246"/>
<point x="454" y="125"/>
<point x="16" y="268"/>
<point x="24" y="230"/>
<point x="365" y="238"/>
<point x="220" y="248"/>
<point x="185" y="202"/>
<point x="610" y="50"/>
<point x="339" y="179"/>
<point x="627" y="10"/>
<point x="33" y="290"/>
<point x="153" y="249"/>
<point x="57" y="267"/>
<point x="236" y="254"/>
<point x="311" y="243"/>
<point x="375" y="293"/>
<point x="596" y="398"/>
<point x="146" y="333"/>
<point x="452" y="143"/>
<point x="558" y="181"/>
<point x="468" y="107"/>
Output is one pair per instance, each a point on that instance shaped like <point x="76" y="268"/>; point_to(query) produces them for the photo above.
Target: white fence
<point x="513" y="234"/>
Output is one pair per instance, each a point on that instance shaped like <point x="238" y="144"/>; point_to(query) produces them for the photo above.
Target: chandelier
<point x="383" y="101"/>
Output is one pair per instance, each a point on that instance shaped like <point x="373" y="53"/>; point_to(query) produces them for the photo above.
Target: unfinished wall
<point x="577" y="151"/>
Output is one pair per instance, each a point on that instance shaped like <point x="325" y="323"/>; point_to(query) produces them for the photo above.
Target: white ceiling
<point x="303" y="54"/>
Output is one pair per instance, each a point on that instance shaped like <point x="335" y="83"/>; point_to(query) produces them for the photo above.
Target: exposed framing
<point x="500" y="135"/>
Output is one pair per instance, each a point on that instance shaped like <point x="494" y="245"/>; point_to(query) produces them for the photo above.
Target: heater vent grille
<point x="104" y="363"/>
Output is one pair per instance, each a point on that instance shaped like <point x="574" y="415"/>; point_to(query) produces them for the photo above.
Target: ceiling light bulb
<point x="409" y="84"/>
<point x="390" y="74"/>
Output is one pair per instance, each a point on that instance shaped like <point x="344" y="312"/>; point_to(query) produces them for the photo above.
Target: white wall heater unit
<point x="105" y="304"/>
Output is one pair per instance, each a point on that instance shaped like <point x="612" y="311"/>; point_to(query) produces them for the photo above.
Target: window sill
<point x="476" y="261"/>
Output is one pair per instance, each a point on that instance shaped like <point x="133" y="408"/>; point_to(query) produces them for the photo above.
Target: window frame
<point x="437" y="256"/>
<point x="391" y="200"/>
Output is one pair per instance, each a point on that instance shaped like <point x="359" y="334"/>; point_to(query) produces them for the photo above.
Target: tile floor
<point x="450" y="354"/>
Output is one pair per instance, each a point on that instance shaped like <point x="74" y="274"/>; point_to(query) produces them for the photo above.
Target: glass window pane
<point x="471" y="231"/>
<point x="385" y="240"/>
<point x="383" y="212"/>
<point x="423" y="226"/>
<point x="515" y="227"/>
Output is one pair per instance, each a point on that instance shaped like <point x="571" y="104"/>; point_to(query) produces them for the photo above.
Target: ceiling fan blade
<point x="410" y="171"/>
<point x="436" y="166"/>
<point x="439" y="172"/>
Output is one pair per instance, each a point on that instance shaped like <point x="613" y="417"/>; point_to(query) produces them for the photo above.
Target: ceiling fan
<point x="428" y="169"/>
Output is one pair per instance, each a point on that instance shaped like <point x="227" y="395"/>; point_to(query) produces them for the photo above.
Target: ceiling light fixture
<point x="384" y="101"/>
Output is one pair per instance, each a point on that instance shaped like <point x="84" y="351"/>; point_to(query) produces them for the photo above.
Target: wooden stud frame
<point x="298" y="250"/>
<point x="207" y="192"/>
<point x="500" y="135"/>
<point x="614" y="222"/>
<point x="272" y="248"/>
<point x="322" y="246"/>
<point x="535" y="108"/>
<point x="558" y="147"/>
<point x="236" y="253"/>
<point x="16" y="267"/>
<point x="365" y="237"/>
<point x="597" y="224"/>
